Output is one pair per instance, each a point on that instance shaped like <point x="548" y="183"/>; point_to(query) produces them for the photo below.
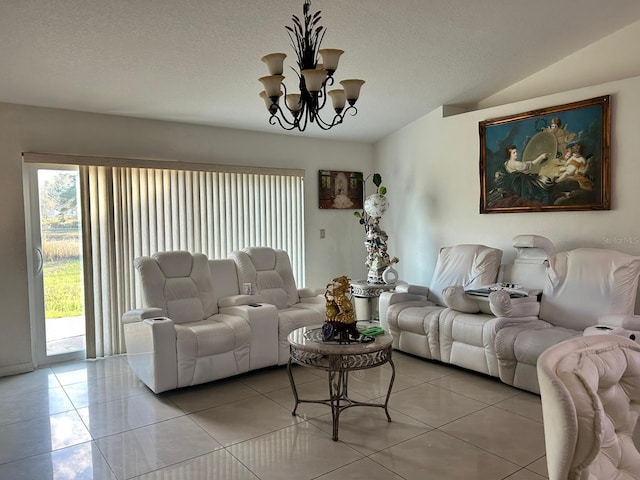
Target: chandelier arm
<point x="282" y="119"/>
<point x="303" y="119"/>
<point x="338" y="118"/>
<point x="323" y="93"/>
<point x="284" y="99"/>
<point x="353" y="111"/>
<point x="321" y="98"/>
<point x="324" y="125"/>
<point x="273" y="119"/>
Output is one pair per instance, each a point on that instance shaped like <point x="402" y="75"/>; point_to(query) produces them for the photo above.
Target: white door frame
<point x="35" y="263"/>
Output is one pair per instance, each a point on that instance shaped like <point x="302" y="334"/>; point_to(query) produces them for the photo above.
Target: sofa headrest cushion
<point x="536" y="242"/>
<point x="467" y="265"/>
<point x="263" y="258"/>
<point x="184" y="294"/>
<point x="587" y="283"/>
<point x="270" y="270"/>
<point x="174" y="264"/>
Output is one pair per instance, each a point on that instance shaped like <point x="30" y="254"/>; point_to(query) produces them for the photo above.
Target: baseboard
<point x="16" y="369"/>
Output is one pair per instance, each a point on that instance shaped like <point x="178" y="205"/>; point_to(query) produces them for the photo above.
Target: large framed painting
<point x="340" y="189"/>
<point x="552" y="159"/>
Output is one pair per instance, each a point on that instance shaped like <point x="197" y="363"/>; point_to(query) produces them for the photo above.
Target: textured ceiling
<point x="198" y="61"/>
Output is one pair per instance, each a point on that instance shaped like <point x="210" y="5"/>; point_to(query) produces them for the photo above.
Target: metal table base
<point x="338" y="364"/>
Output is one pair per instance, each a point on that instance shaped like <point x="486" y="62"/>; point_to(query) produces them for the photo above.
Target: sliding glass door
<point x="56" y="284"/>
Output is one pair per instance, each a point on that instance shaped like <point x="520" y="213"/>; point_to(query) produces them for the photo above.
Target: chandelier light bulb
<point x="314" y="79"/>
<point x="339" y="99"/>
<point x="330" y="58"/>
<point x="293" y="102"/>
<point x="275" y="63"/>
<point x="272" y="85"/>
<point x="272" y="106"/>
<point x="352" y="89"/>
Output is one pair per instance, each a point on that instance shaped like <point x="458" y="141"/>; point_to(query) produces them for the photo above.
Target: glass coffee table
<point x="308" y="349"/>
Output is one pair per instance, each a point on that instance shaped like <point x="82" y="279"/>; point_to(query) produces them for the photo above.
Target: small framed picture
<point x="340" y="190"/>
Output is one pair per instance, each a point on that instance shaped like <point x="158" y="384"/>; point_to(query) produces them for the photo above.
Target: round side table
<point x="365" y="297"/>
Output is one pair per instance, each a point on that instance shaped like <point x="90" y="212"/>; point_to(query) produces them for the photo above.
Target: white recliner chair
<point x="590" y="392"/>
<point x="468" y="327"/>
<point x="180" y="338"/>
<point x="269" y="270"/>
<point x="411" y="313"/>
<point x="584" y="288"/>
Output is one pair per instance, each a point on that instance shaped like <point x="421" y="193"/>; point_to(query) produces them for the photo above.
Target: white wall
<point x="432" y="170"/>
<point x="432" y="166"/>
<point x="33" y="129"/>
<point x="614" y="57"/>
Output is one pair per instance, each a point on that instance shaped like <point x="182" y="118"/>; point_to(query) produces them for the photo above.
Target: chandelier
<point x="314" y="78"/>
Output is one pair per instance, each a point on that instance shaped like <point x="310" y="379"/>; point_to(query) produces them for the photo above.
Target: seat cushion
<point x="467" y="340"/>
<point x="204" y="338"/>
<point x="416" y="319"/>
<point x="530" y="344"/>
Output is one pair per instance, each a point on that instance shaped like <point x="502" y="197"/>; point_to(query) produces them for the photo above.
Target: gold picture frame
<point x="551" y="159"/>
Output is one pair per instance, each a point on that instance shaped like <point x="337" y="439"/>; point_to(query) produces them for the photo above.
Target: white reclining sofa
<point x="579" y="292"/>
<point x="196" y="326"/>
<point x="411" y="313"/>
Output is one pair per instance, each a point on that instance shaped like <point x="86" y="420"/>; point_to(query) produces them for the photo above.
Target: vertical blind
<point x="134" y="211"/>
<point x="140" y="211"/>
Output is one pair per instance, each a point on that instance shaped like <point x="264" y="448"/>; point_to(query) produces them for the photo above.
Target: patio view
<point x="62" y="261"/>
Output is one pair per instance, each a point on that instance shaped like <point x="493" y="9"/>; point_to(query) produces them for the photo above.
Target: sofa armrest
<point x="251" y="313"/>
<point x="456" y="299"/>
<point x="531" y="323"/>
<point x="628" y="322"/>
<point x="236" y="300"/>
<point x="311" y="295"/>
<point x="403" y="287"/>
<point x="399" y="297"/>
<point x="387" y="299"/>
<point x="151" y="350"/>
<point x="310" y="292"/>
<point x="502" y="305"/>
<point x="263" y="343"/>
<point x="142" y="314"/>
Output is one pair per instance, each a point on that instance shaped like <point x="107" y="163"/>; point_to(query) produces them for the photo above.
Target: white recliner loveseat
<point x="196" y="326"/>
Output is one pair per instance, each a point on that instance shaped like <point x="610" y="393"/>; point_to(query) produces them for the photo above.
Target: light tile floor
<point x="95" y="420"/>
